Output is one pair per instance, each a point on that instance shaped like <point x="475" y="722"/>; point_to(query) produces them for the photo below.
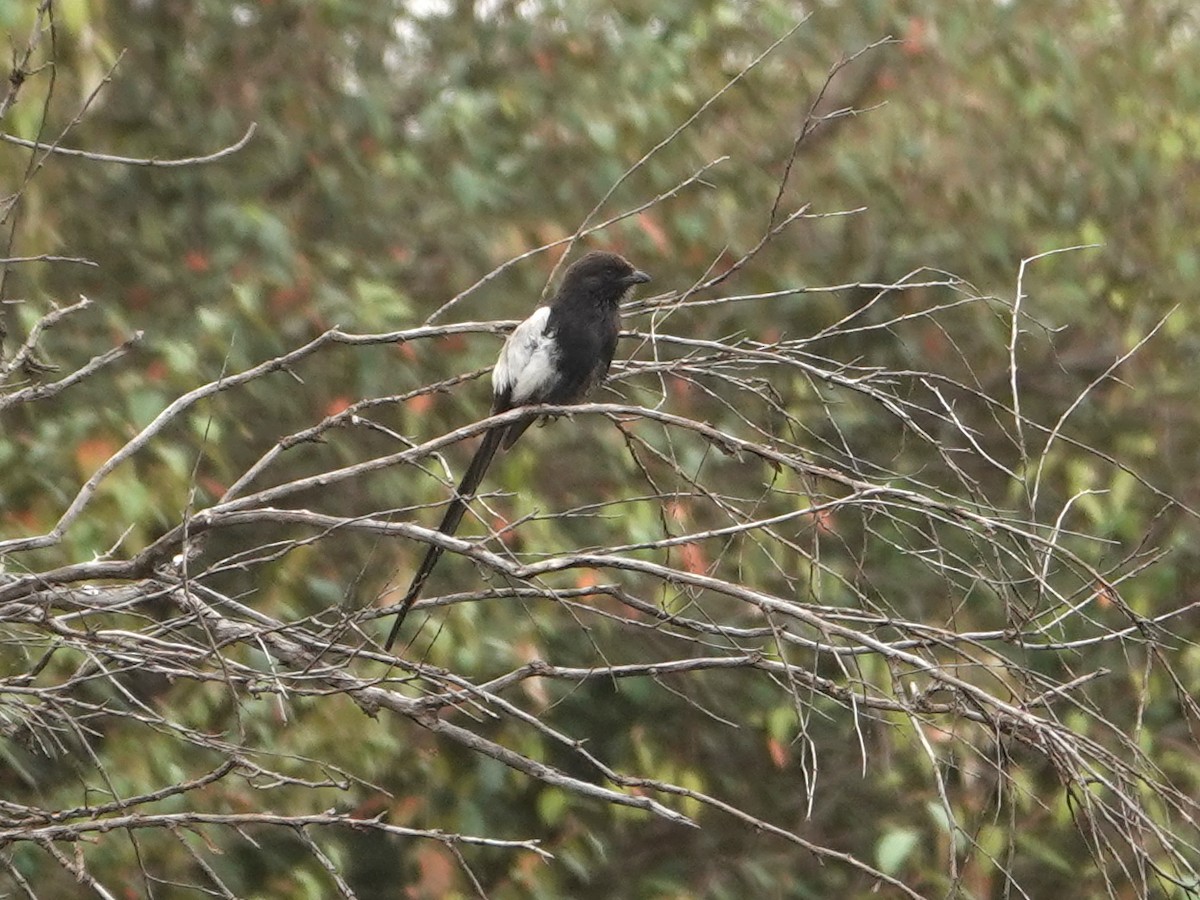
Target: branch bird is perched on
<point x="558" y="355"/>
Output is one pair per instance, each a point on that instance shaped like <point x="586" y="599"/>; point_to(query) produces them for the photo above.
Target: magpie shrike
<point x="558" y="355"/>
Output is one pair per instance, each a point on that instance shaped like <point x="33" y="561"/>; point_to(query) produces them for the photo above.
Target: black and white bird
<point x="559" y="355"/>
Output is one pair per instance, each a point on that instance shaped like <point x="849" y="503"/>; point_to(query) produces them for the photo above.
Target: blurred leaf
<point x="895" y="848"/>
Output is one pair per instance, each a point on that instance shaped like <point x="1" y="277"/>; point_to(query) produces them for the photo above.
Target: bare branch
<point x="148" y="162"/>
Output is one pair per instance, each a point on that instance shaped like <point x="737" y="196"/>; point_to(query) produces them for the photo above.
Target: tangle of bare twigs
<point x="773" y="528"/>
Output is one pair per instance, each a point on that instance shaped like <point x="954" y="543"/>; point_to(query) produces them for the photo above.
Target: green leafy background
<point x="403" y="151"/>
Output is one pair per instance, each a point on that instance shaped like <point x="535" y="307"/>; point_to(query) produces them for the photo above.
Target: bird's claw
<point x="553" y="417"/>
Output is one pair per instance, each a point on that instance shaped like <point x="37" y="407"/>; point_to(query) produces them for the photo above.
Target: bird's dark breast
<point x="587" y="340"/>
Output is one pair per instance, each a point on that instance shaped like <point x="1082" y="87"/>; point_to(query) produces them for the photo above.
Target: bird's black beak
<point x="637" y="276"/>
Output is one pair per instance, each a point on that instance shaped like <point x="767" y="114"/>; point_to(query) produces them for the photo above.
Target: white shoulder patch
<point x="526" y="363"/>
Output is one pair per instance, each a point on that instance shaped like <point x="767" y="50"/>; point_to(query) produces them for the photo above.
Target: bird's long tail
<point x="454" y="513"/>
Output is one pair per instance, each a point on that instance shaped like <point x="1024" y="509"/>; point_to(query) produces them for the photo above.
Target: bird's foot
<point x="554" y="417"/>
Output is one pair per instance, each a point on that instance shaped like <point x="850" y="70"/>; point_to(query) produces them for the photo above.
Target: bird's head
<point x="600" y="277"/>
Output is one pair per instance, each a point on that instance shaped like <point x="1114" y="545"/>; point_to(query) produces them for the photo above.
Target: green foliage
<point x="401" y="155"/>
